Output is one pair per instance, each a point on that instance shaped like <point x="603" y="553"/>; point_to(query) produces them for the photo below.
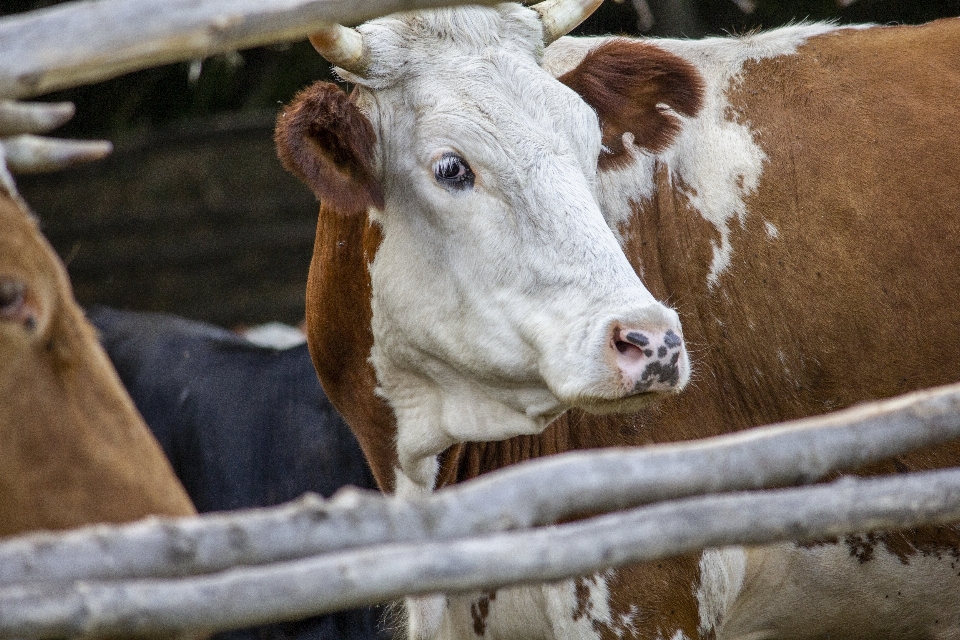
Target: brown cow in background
<point x="73" y="448"/>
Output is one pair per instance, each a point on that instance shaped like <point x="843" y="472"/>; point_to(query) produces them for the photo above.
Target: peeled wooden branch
<point x="22" y="152"/>
<point x="32" y="117"/>
<point x="535" y="493"/>
<point x="93" y="40"/>
<point x="327" y="583"/>
<point x="36" y="154"/>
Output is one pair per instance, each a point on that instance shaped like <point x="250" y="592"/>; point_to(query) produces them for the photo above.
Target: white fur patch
<point x="424" y="616"/>
<point x="721" y="580"/>
<point x="838" y="590"/>
<point x="624" y="187"/>
<point x="590" y="597"/>
<point x="715" y="160"/>
<point x="574" y="608"/>
<point x="275" y="335"/>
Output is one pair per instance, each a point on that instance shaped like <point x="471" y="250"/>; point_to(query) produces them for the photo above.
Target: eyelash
<point x="463" y="177"/>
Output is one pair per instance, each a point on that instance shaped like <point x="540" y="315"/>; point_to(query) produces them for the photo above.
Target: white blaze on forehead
<point x="715" y="160"/>
<point x="721" y="579"/>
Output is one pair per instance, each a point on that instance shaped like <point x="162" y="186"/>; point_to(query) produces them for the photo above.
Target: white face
<point x="500" y="295"/>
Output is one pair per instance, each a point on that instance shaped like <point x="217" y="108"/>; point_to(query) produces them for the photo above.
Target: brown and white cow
<point x="73" y="448"/>
<point x="794" y="195"/>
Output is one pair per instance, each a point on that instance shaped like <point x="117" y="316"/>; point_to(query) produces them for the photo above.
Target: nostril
<point x="630" y="355"/>
<point x="624" y="347"/>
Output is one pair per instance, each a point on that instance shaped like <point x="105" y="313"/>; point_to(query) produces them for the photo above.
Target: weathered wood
<point x="23" y="152"/>
<point x="34" y="154"/>
<point x="535" y="493"/>
<point x="326" y="583"/>
<point x="93" y="40"/>
<point x="32" y="117"/>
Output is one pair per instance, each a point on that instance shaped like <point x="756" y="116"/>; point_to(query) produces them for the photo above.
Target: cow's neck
<point x="338" y="323"/>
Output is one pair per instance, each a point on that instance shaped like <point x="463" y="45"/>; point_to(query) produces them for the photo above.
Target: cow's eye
<point x="12" y="294"/>
<point x="13" y="300"/>
<point x="453" y="172"/>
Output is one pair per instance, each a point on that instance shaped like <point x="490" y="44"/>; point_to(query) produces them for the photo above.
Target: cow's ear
<point x="636" y="87"/>
<point x="324" y="139"/>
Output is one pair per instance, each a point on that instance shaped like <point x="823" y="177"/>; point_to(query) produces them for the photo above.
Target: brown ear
<point x="627" y="82"/>
<point x="324" y="139"/>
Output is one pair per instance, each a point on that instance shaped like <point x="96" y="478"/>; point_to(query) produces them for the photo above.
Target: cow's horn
<point x="559" y="17"/>
<point x="342" y="47"/>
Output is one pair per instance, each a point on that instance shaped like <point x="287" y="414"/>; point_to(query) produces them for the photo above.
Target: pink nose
<point x="649" y="360"/>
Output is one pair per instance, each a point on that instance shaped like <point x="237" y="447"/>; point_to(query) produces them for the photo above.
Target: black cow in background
<point x="244" y="426"/>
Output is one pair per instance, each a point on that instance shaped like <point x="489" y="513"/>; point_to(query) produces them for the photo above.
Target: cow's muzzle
<point x="649" y="359"/>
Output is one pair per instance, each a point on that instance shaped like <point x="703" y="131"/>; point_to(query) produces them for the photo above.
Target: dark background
<point x="193" y="214"/>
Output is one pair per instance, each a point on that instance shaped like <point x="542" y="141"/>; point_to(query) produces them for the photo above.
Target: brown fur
<point x="323" y="139"/>
<point x="73" y="449"/>
<point x="857" y="298"/>
<point x="339" y="335"/>
<point x="626" y="81"/>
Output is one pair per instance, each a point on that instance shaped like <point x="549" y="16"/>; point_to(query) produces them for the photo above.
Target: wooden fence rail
<point x="325" y="583"/>
<point x="90" y="41"/>
<point x="223" y="571"/>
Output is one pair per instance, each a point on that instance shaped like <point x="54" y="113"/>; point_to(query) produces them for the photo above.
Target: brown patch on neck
<point x="660" y="597"/>
<point x="325" y="140"/>
<point x="471" y="459"/>
<point x="338" y="329"/>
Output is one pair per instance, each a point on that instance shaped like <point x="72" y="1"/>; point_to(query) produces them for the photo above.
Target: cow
<point x="244" y="425"/>
<point x="530" y="243"/>
<point x="73" y="449"/>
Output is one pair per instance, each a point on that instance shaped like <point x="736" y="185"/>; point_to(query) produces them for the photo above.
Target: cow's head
<point x="74" y="448"/>
<point x="500" y="295"/>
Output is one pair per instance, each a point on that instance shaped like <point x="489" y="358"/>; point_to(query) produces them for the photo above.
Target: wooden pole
<point x="253" y="595"/>
<point x="535" y="493"/>
<point x="90" y="41"/>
